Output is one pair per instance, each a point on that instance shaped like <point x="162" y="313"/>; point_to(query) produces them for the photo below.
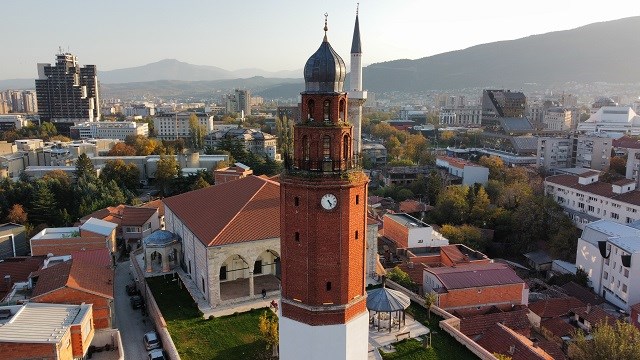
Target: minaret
<point x="357" y="96"/>
<point x="323" y="196"/>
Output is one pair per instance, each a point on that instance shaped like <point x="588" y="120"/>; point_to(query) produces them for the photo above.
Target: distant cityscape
<point x="240" y="222"/>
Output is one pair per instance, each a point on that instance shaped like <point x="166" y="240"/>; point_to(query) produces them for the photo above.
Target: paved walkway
<point x="383" y="338"/>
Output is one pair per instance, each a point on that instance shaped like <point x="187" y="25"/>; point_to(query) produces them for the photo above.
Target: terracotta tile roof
<point x="80" y="275"/>
<point x="499" y="339"/>
<point x="237" y="211"/>
<point x="582" y="293"/>
<point x="636" y="308"/>
<point x="595" y="315"/>
<point x="19" y="268"/>
<point x="516" y="320"/>
<point x="626" y="142"/>
<point x="598" y="188"/>
<point x="475" y="275"/>
<point x="552" y="349"/>
<point x="123" y="215"/>
<point x="554" y="307"/>
<point x="413" y="206"/>
<point x="100" y="257"/>
<point x="558" y="326"/>
<point x="155" y="204"/>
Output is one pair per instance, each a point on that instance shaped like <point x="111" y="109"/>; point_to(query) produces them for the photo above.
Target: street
<point x="130" y="322"/>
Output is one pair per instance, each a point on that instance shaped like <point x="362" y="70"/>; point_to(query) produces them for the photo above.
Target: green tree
<point x="84" y="167"/>
<point x="394" y="147"/>
<point x="47" y="129"/>
<point x="43" y="205"/>
<point x="451" y="206"/>
<point x="618" y="165"/>
<point x="495" y="165"/>
<point x="268" y="326"/>
<point x="430" y="299"/>
<point x="125" y="175"/>
<point x="284" y="132"/>
<point x="200" y="183"/>
<point x="196" y="132"/>
<point x="480" y="208"/>
<point x="167" y="170"/>
<point x="434" y="186"/>
<point x="617" y="342"/>
<point x="400" y="277"/>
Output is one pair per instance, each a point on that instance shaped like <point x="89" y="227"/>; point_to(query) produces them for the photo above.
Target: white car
<point x="156" y="354"/>
<point x="151" y="340"/>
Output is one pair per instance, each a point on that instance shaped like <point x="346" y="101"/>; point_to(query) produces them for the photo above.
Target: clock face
<point x="329" y="201"/>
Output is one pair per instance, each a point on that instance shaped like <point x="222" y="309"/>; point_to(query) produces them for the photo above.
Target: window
<point x="326" y="147"/>
<point x="328" y="285"/>
<point x="606" y="275"/>
<point x="357" y="199"/>
<point x="305" y="147"/>
<point x="591" y="208"/>
<point x="311" y="108"/>
<point x="257" y="267"/>
<point x="629" y="220"/>
<point x="615" y="216"/>
<point x="223" y="273"/>
<point x="581" y="205"/>
<point x="624" y="288"/>
<point x="356" y="234"/>
<point x="345" y="146"/>
<point x="327" y="110"/>
<point x="606" y="261"/>
<point x="203" y="284"/>
<point x="626" y="273"/>
<point x="297" y="237"/>
<point x="296" y="201"/>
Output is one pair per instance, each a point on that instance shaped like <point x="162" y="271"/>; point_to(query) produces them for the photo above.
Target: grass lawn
<point x="230" y="337"/>
<point x="443" y="346"/>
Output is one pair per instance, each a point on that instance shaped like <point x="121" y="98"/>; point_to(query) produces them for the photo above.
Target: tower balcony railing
<point x="325" y="167"/>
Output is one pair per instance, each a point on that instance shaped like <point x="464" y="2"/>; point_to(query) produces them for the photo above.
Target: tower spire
<point x="356" y="48"/>
<point x="326" y="28"/>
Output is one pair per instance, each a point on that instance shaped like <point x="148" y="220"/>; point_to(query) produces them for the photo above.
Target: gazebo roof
<point x="160" y="238"/>
<point x="386" y="300"/>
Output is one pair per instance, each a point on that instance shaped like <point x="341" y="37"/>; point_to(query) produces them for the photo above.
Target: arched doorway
<point x="234" y="277"/>
<point x="265" y="272"/>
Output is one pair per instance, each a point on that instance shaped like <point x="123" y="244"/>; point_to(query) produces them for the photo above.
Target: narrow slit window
<point x="296" y="201"/>
<point x="297" y="237"/>
<point x="328" y="285"/>
<point x="356" y="234"/>
<point x="357" y="199"/>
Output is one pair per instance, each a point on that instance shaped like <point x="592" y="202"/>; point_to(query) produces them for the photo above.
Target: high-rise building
<point x="67" y="93"/>
<point x="498" y="104"/>
<point x="357" y="96"/>
<point x="239" y="102"/>
<point x="323" y="216"/>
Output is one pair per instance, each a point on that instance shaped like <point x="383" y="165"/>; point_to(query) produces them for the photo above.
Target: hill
<point x="604" y="51"/>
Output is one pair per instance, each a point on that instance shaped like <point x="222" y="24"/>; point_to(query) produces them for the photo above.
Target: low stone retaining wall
<point x="153" y="310"/>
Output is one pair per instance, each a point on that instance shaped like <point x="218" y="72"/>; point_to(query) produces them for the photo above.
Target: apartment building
<point x="109" y="130"/>
<point x="591" y="151"/>
<point x="409" y="232"/>
<point x="469" y="172"/>
<point x="609" y="252"/>
<point x="585" y="199"/>
<point x="173" y="126"/>
<point x="558" y="119"/>
<point x="461" y="116"/>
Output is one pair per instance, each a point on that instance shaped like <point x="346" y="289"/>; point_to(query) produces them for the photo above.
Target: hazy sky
<point x="271" y="34"/>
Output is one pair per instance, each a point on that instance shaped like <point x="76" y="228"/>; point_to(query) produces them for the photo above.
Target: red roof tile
<point x="626" y="142"/>
<point x="500" y="339"/>
<point x="582" y="293"/>
<point x="554" y="307"/>
<point x="237" y="211"/>
<point x="598" y="188"/>
<point x="80" y="275"/>
<point x="19" y="269"/>
<point x="123" y="215"/>
<point x="552" y="349"/>
<point x="595" y="315"/>
<point x="475" y="275"/>
<point x="516" y="320"/>
<point x="558" y="326"/>
<point x="100" y="257"/>
<point x="155" y="204"/>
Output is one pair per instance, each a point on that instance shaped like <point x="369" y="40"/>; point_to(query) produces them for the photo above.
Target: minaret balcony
<point x="323" y="168"/>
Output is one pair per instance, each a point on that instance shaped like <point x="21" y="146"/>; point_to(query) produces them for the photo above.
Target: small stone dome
<point x="325" y="70"/>
<point x="160" y="238"/>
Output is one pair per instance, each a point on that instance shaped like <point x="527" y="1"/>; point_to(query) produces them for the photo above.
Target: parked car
<point x="157" y="354"/>
<point x="151" y="341"/>
<point x="136" y="301"/>
<point x="131" y="289"/>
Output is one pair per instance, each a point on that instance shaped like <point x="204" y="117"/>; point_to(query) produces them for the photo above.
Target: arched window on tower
<point x="326" y="147"/>
<point x="342" y="108"/>
<point x="346" y="141"/>
<point x="305" y="148"/>
<point x="310" y="108"/>
<point x="327" y="110"/>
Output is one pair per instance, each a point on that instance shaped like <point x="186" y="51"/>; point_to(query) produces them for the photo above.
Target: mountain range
<point x="599" y="52"/>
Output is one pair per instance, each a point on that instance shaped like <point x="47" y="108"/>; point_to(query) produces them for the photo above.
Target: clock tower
<point x="323" y="195"/>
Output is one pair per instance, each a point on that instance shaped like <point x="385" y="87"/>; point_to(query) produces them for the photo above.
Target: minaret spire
<point x="356" y="48"/>
<point x="357" y="96"/>
<point x="326" y="28"/>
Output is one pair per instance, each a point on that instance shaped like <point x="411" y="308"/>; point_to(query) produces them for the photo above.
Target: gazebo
<point x="389" y="305"/>
<point x="161" y="246"/>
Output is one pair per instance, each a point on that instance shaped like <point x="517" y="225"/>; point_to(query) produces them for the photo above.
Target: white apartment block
<point x="609" y="253"/>
<point x="139" y="110"/>
<point x="470" y="173"/>
<point x="557" y="119"/>
<point x="172" y="126"/>
<point x="109" y="130"/>
<point x="461" y="116"/>
<point x="585" y="199"/>
<point x="591" y="151"/>
<point x="13" y="121"/>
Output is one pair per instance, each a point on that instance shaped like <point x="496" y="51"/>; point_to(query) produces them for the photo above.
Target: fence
<point x="153" y="309"/>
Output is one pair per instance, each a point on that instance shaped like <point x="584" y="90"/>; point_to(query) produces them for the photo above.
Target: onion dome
<point x="325" y="70"/>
